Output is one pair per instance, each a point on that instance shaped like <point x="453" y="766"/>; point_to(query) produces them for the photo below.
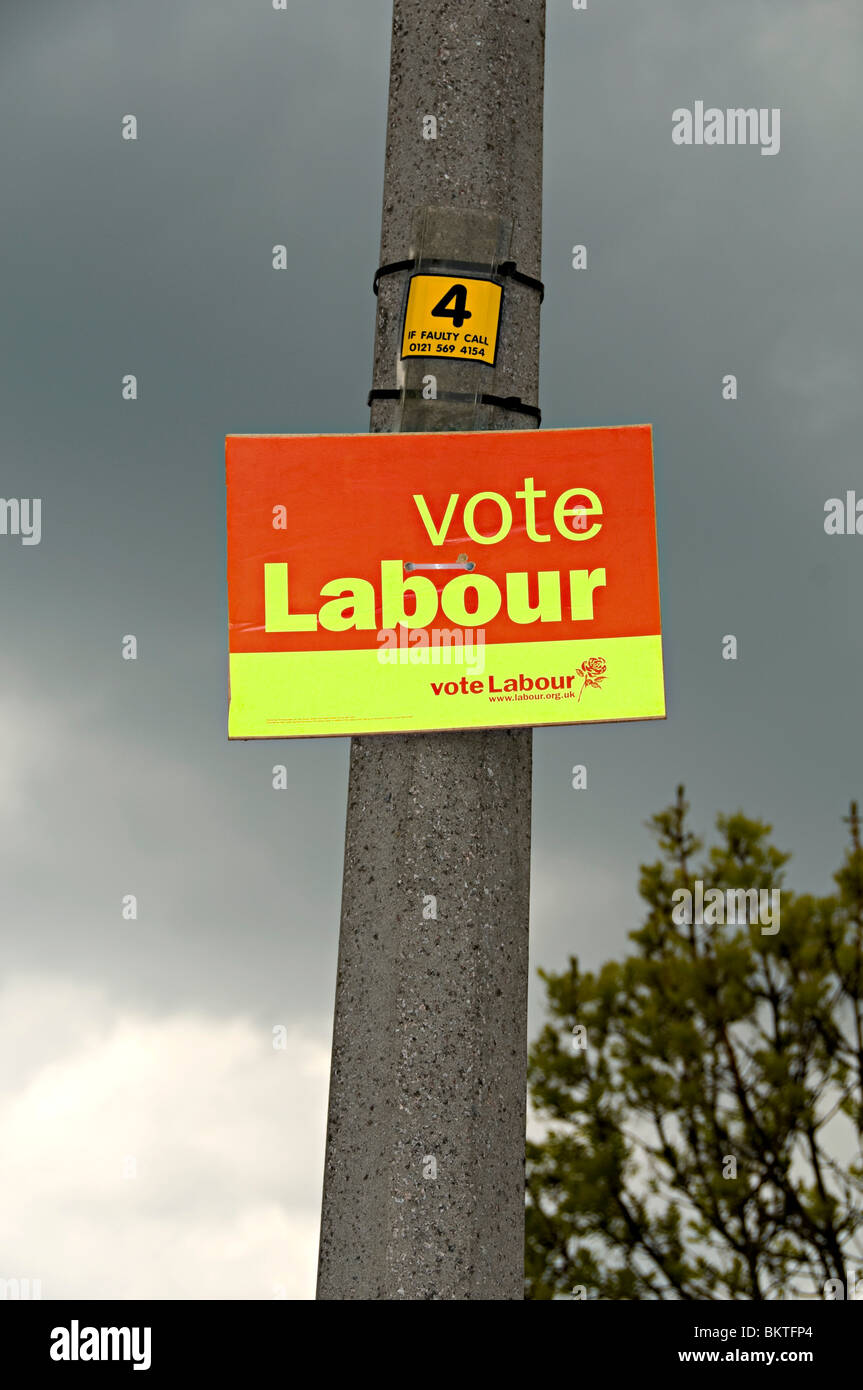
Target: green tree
<point x="703" y="1098"/>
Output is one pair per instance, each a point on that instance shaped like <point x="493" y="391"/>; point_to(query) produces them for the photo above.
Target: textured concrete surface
<point x="424" y="1178"/>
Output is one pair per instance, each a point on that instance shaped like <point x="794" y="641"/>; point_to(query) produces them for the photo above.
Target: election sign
<point x="385" y="583"/>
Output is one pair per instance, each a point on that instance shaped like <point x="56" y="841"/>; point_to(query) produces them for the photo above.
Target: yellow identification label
<point x="451" y="316"/>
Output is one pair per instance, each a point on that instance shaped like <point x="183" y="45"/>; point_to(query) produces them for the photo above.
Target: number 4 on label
<point x="457" y="294"/>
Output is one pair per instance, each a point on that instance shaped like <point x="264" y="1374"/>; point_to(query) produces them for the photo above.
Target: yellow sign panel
<point x="452" y="316"/>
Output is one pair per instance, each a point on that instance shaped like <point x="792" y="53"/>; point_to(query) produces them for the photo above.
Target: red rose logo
<point x="592" y="672"/>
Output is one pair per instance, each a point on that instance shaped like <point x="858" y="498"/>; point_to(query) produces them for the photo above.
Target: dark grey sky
<point x="154" y="257"/>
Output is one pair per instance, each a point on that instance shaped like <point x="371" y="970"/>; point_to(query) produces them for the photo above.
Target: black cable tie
<point x="391" y="269"/>
<point x="508" y="269"/>
<point x="514" y="403"/>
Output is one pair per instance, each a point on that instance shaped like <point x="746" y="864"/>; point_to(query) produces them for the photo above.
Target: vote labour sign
<point x="392" y="582"/>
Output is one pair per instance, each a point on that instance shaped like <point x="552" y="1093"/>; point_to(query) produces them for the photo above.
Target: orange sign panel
<point x="383" y="583"/>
